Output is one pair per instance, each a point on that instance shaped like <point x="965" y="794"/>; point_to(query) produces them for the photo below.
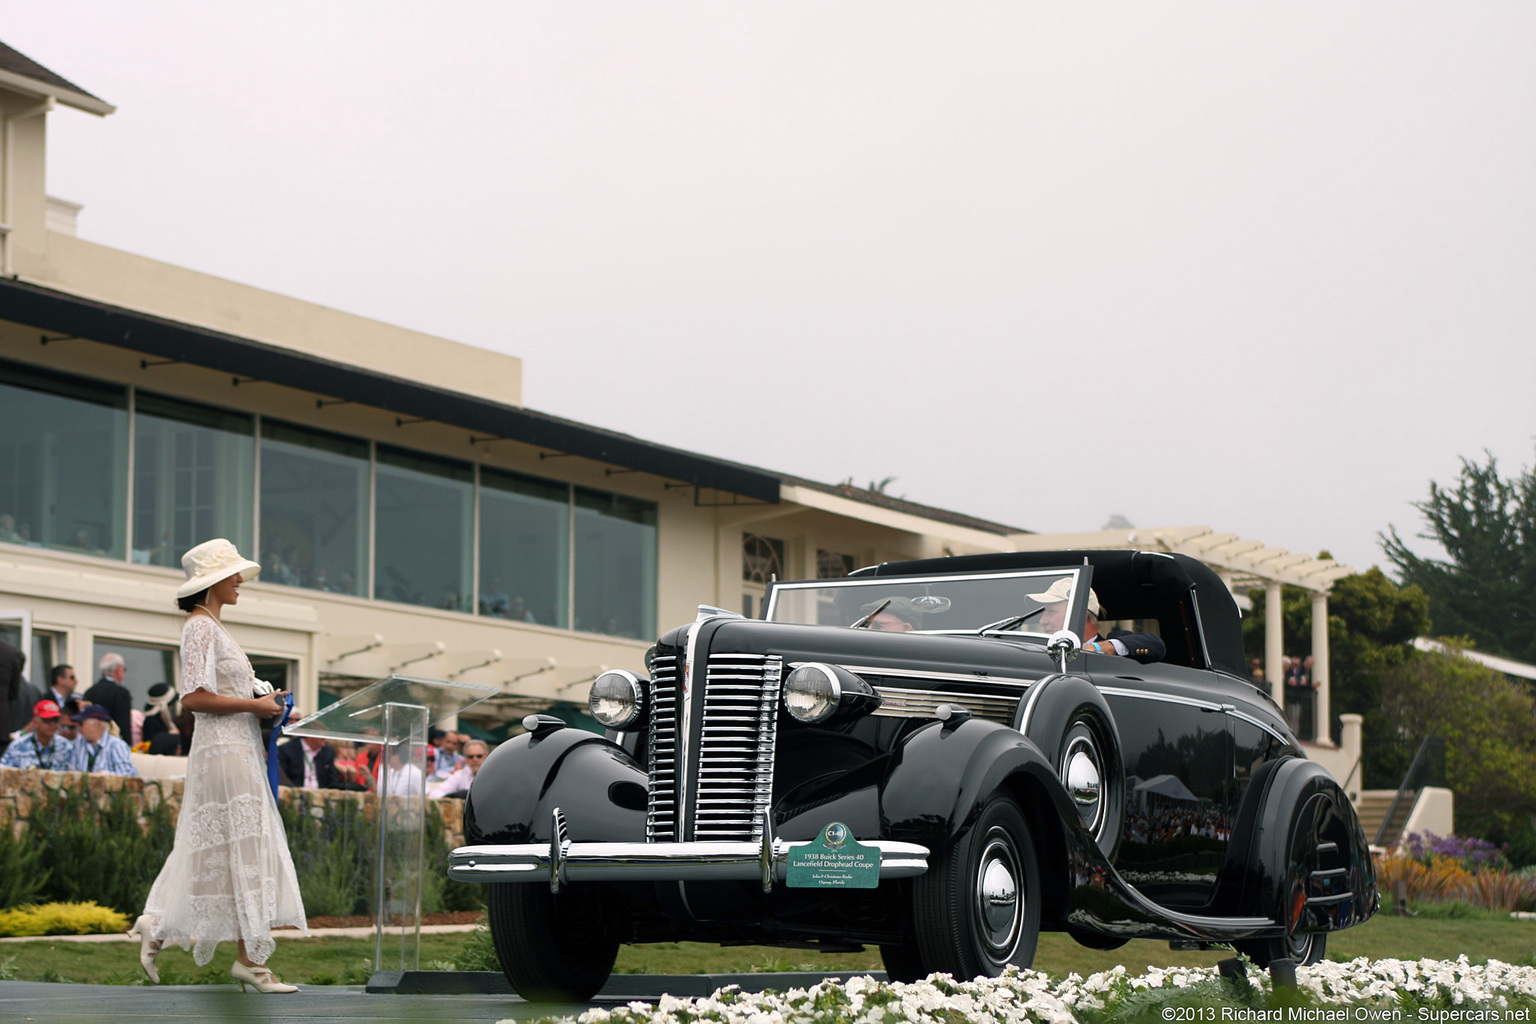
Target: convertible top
<point x="1199" y="620"/>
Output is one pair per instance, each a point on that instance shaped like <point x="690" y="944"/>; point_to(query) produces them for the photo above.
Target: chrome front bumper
<point x="562" y="861"/>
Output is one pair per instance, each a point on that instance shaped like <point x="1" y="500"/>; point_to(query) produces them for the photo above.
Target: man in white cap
<point x="1143" y="647"/>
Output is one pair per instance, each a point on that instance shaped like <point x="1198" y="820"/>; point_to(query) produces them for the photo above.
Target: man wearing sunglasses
<point x="457" y="784"/>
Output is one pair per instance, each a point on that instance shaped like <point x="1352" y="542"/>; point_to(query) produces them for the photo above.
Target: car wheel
<point x="547" y="944"/>
<point x="1304" y="948"/>
<point x="903" y="961"/>
<point x="977" y="908"/>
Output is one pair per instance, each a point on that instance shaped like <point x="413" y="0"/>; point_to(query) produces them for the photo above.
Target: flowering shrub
<point x="62" y="919"/>
<point x="1468" y="851"/>
<point x="1441" y="869"/>
<point x="1030" y="996"/>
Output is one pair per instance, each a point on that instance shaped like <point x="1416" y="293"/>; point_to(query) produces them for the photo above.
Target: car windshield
<point x="1033" y="602"/>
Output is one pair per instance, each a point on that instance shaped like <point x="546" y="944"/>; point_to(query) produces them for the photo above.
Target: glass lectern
<point x="396" y="712"/>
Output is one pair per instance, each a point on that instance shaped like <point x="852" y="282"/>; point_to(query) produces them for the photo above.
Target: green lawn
<point x="347" y="961"/>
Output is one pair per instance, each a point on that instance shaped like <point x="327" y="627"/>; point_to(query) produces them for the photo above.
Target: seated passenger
<point x="1143" y="647"/>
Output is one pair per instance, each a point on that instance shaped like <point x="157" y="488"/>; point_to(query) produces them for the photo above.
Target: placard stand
<point x="396" y="712"/>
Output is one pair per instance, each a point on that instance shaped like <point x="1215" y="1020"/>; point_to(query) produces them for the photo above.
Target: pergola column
<point x="1273" y="633"/>
<point x="1321" y="717"/>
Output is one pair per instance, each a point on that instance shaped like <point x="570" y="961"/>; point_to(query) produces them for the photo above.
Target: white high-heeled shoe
<point x="148" y="948"/>
<point x="259" y="977"/>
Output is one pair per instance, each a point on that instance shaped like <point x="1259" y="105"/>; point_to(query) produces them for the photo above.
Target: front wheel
<point x="977" y="908"/>
<point x="547" y="944"/>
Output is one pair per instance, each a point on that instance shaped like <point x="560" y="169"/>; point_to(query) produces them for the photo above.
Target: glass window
<point x="63" y="461"/>
<point x="762" y="558"/>
<point x="282" y="673"/>
<point x="615" y="564"/>
<point x="194" y="478"/>
<point x="424" y="515"/>
<point x="832" y="566"/>
<point x="524" y="548"/>
<point x="147" y="664"/>
<point x="314" y="509"/>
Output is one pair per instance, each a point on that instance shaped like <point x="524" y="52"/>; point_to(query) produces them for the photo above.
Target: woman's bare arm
<point x="206" y="702"/>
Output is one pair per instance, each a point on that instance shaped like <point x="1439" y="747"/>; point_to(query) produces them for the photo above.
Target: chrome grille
<point x="735" y="743"/>
<point x="741" y="714"/>
<point x="661" y="801"/>
<point x="900" y="702"/>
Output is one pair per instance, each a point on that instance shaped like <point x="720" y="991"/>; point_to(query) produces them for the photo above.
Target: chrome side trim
<point x="1167" y="698"/>
<point x="1032" y="695"/>
<point x="913" y="673"/>
<point x="659" y="862"/>
<point x="1258" y="722"/>
<point x="1203" y="705"/>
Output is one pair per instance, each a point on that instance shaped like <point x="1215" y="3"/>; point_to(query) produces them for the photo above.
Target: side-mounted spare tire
<point x="1070" y="721"/>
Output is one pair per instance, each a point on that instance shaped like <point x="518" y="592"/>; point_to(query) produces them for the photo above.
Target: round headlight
<point x="812" y="693"/>
<point x="617" y="698"/>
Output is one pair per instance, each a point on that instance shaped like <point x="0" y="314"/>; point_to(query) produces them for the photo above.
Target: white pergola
<point x="1241" y="564"/>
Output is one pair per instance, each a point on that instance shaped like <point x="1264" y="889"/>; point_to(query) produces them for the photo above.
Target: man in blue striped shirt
<point x="40" y="746"/>
<point x="97" y="750"/>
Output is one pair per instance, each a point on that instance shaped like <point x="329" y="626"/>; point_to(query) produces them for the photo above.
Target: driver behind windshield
<point x="895" y="615"/>
<point x="1143" y="647"/>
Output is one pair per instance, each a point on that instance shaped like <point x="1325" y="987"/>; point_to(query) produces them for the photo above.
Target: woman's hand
<point x="269" y="705"/>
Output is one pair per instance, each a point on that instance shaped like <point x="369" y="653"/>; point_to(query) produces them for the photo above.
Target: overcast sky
<point x="1267" y="268"/>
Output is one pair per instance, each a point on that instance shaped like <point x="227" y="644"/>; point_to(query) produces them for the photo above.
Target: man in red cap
<point x="41" y="746"/>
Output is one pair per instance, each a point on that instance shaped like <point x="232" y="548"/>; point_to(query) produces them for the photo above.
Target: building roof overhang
<point x="20" y="73"/>
<point x="75" y="317"/>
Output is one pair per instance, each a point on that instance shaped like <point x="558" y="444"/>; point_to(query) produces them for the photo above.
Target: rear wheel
<point x="977" y="908"/>
<point x="549" y="945"/>
<point x="1304" y="949"/>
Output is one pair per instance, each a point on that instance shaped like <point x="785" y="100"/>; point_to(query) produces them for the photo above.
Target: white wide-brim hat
<point x="212" y="561"/>
<point x="1060" y="590"/>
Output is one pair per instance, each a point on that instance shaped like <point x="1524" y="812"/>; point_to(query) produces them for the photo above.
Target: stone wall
<point x="23" y="790"/>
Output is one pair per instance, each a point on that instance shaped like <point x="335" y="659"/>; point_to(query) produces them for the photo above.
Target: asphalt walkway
<point x="436" y="997"/>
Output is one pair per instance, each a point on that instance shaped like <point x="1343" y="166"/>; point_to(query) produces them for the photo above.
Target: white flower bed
<point x="1402" y="990"/>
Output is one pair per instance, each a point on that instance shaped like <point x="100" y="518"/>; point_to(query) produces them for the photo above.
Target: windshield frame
<point x="1077" y="608"/>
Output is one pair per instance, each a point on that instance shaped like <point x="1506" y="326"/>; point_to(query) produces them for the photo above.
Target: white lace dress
<point x="229" y="876"/>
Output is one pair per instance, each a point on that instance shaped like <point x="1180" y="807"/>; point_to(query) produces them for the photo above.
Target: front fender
<point x="945" y="770"/>
<point x="596" y="783"/>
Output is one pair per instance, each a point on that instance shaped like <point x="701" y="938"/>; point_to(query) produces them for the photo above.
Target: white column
<point x="1320" y="667"/>
<point x="1273" y="621"/>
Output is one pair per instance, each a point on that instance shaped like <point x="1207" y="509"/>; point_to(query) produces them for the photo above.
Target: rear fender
<point x="1305" y="864"/>
<point x="596" y="783"/>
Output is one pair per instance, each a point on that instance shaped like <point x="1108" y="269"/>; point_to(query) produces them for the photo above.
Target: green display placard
<point x="833" y="860"/>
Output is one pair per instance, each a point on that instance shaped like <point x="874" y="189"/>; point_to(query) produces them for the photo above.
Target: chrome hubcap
<point x="999" y="904"/>
<point x="1083" y="773"/>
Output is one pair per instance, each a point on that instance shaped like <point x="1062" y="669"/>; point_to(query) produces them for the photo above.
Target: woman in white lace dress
<point x="229" y="876"/>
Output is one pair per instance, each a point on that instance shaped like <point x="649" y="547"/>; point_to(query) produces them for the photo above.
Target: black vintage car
<point x="917" y="757"/>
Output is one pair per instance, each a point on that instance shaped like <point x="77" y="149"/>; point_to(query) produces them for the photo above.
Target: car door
<point x="1176" y="741"/>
